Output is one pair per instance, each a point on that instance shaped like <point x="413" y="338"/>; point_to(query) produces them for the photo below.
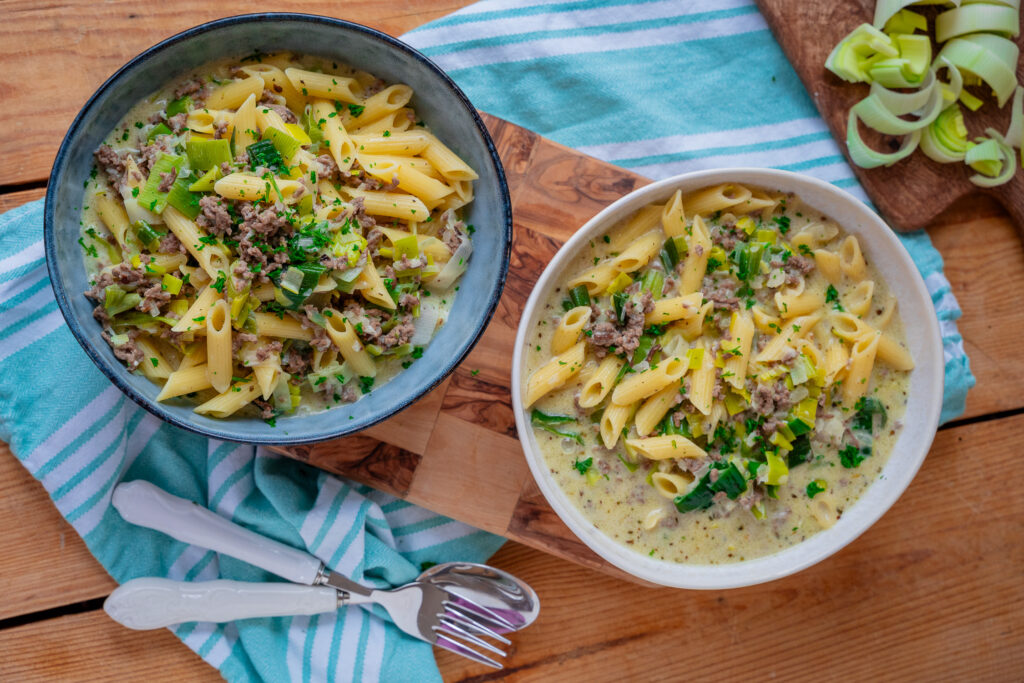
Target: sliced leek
<point x="1015" y="133"/>
<point x="865" y="157"/>
<point x="991" y="58"/>
<point x="1008" y="161"/>
<point x="945" y="140"/>
<point x="885" y="9"/>
<point x="875" y="115"/>
<point x="906" y="21"/>
<point x="977" y="18"/>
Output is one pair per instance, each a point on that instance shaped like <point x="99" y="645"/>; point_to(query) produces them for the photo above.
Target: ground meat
<point x="797" y="267"/>
<point x="367" y="327"/>
<point x="328" y="168"/>
<point x="266" y="410"/>
<point x="193" y="86"/>
<point x="177" y="122"/>
<point x="452" y="238"/>
<point x="399" y="334"/>
<point x="267" y="222"/>
<point x="111" y="163"/>
<point x="283" y="111"/>
<point x="725" y="236"/>
<point x="169" y="244"/>
<point x="127" y="352"/>
<point x="721" y="292"/>
<point x="405" y="263"/>
<point x="320" y="341"/>
<point x="750" y="499"/>
<point x="408" y="301"/>
<point x="220" y="129"/>
<point x="767" y="398"/>
<point x="373" y="239"/>
<point x="225" y="168"/>
<point x="365" y="222"/>
<point x="156" y="118"/>
<point x="151" y="152"/>
<point x="214" y="216"/>
<point x="167" y="180"/>
<point x="241" y="275"/>
<point x="121" y="274"/>
<point x="627" y="337"/>
<point x="240" y="338"/>
<point x="670" y="521"/>
<point x="153" y="298"/>
<point x="294" y="362"/>
<point x="267" y="350"/>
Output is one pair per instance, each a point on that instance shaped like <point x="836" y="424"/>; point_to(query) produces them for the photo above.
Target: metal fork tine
<point x="453" y="612"/>
<point x="452" y="629"/>
<point x="480" y="610"/>
<point x="460" y="649"/>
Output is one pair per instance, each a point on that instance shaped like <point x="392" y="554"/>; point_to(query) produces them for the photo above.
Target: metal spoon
<point x="488" y="587"/>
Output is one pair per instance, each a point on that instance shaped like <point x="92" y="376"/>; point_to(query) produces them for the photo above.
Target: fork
<point x="423" y="610"/>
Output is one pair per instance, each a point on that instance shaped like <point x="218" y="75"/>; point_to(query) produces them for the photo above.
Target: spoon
<point x="488" y="587"/>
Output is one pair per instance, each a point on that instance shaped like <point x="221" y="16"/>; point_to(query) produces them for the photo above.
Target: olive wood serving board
<point x="911" y="193"/>
<point x="455" y="451"/>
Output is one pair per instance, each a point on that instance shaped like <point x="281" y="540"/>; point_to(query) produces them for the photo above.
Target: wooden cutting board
<point x="455" y="451"/>
<point x="914" y="191"/>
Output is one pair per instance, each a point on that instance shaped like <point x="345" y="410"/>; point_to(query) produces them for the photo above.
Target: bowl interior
<point x="436" y="100"/>
<point x="882" y="249"/>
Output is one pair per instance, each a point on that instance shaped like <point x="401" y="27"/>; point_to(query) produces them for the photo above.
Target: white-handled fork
<point x="421" y="609"/>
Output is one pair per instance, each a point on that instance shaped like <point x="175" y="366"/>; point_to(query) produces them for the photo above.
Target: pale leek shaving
<point x="976" y="49"/>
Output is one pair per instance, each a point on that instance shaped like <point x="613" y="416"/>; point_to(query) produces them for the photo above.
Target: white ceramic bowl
<point x="920" y="422"/>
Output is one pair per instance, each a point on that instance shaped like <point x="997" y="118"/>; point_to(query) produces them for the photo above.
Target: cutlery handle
<point x="144" y="504"/>
<point x="149" y="603"/>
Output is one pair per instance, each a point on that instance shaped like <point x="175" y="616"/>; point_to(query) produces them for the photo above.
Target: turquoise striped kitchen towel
<point x="662" y="88"/>
<point x="77" y="434"/>
<point x="658" y="87"/>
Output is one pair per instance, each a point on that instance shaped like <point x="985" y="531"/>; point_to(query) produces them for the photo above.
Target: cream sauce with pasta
<point x="625" y="505"/>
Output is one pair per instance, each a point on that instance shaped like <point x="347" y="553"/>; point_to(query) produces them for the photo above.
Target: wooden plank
<point x="931" y="592"/>
<point x="43" y="561"/>
<point x="64" y="42"/>
<point x="11" y="200"/>
<point x="914" y="191"/>
<point x="90" y="647"/>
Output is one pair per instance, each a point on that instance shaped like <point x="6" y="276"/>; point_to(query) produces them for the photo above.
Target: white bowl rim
<point x="821" y="545"/>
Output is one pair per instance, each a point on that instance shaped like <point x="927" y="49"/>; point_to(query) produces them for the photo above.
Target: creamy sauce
<point x="619" y="502"/>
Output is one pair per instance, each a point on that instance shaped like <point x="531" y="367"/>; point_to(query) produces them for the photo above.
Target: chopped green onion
<point x="579" y="296"/>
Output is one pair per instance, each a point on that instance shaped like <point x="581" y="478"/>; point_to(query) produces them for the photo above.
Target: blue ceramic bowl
<point x="437" y="100"/>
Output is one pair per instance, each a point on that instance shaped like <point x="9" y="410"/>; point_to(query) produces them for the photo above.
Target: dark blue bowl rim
<point x="271" y="438"/>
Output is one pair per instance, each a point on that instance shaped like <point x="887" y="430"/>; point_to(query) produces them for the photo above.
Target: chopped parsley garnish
<point x="782" y="222"/>
<point x="365" y="383"/>
<point x="816" y="487"/>
<point x="832" y="297"/>
<point x="220" y="281"/>
<point x="356" y="110"/>
<point x="583" y="466"/>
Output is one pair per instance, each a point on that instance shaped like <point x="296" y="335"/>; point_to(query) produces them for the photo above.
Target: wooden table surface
<point x="942" y="600"/>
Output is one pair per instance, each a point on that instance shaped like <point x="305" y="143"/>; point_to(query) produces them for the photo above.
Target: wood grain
<point x="39" y="551"/>
<point x="63" y="43"/>
<point x="911" y="193"/>
<point x="90" y="647"/>
<point x="933" y="591"/>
